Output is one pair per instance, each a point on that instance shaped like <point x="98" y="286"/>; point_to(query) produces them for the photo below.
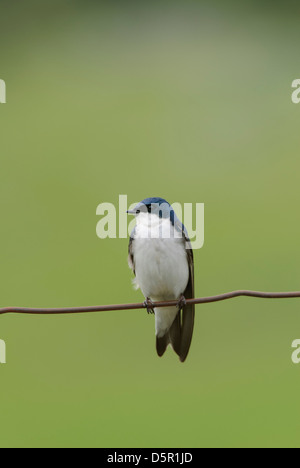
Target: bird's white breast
<point x="161" y="265"/>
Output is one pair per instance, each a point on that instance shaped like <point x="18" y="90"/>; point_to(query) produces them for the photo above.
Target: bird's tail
<point x="179" y="332"/>
<point x="168" y="329"/>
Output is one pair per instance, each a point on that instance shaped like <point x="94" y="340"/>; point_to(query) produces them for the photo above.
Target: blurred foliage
<point x="184" y="100"/>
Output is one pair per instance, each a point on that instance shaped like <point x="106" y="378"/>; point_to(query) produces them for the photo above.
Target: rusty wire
<point x="106" y="308"/>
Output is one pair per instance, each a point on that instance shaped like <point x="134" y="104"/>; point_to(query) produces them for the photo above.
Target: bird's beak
<point x="132" y="212"/>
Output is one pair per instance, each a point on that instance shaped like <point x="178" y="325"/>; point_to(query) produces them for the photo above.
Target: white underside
<point x="161" y="267"/>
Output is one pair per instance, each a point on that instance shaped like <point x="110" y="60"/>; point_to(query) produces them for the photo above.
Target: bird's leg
<point x="182" y="302"/>
<point x="148" y="304"/>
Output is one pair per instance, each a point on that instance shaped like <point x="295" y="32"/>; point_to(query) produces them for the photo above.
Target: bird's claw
<point x="182" y="302"/>
<point x="148" y="304"/>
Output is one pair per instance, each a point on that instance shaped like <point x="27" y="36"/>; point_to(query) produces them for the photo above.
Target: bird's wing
<point x="188" y="313"/>
<point x="130" y="253"/>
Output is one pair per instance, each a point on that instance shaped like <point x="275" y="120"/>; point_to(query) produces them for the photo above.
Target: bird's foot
<point x="182" y="302"/>
<point x="148" y="304"/>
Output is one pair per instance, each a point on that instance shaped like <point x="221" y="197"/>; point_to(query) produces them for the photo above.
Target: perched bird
<point x="161" y="258"/>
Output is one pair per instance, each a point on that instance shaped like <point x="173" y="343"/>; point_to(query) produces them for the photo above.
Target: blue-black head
<point x="156" y="206"/>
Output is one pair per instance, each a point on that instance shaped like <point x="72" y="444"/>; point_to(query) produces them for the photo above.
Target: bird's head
<point x="155" y="206"/>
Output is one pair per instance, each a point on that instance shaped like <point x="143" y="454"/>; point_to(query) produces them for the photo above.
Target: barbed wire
<point x="142" y="305"/>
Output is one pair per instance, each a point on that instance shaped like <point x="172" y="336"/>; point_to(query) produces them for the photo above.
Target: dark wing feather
<point x="188" y="313"/>
<point x="130" y="254"/>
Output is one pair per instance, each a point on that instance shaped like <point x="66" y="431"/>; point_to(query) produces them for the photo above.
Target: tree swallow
<point x="161" y="258"/>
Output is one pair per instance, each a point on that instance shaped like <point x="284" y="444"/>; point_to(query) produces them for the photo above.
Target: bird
<point x="161" y="258"/>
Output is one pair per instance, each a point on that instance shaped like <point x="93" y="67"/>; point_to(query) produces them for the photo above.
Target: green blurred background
<point x="190" y="101"/>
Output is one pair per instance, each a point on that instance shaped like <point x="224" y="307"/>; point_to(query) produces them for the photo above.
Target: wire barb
<point x="107" y="308"/>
